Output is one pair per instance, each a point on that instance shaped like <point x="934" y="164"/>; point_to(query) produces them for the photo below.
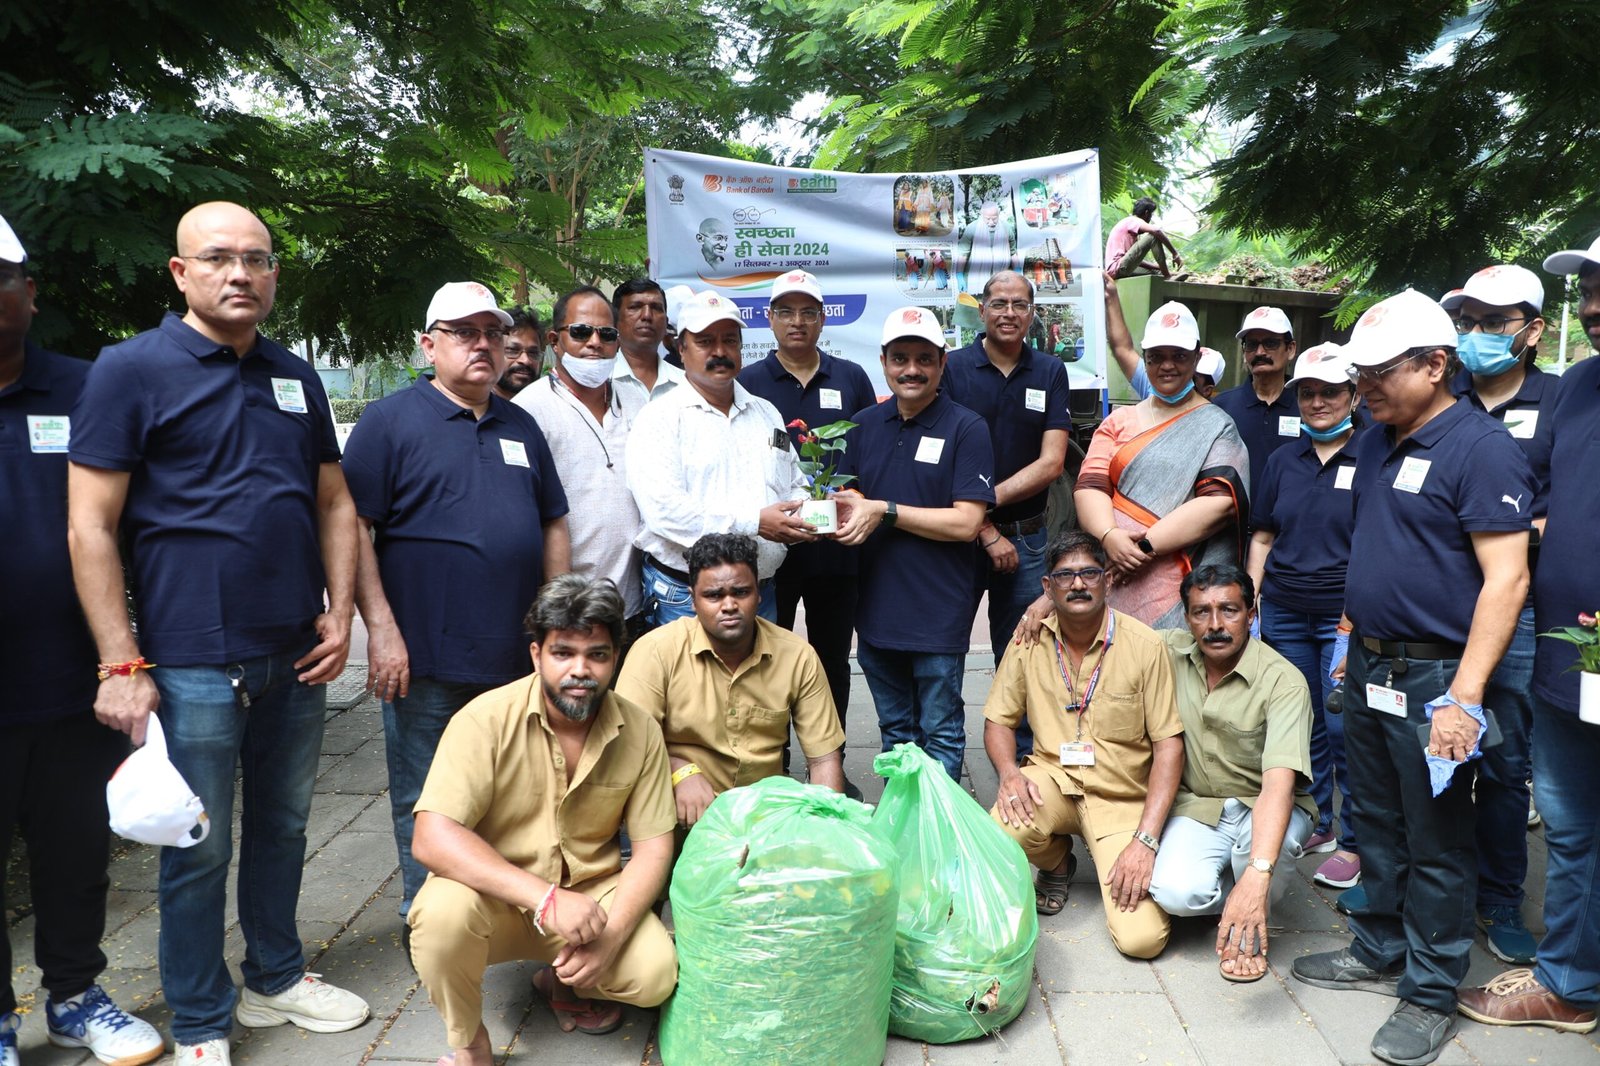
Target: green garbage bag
<point x="783" y="904"/>
<point x="964" y="940"/>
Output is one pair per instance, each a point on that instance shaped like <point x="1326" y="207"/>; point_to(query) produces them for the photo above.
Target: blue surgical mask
<point x="1328" y="434"/>
<point x="1488" y="354"/>
<point x="1177" y="399"/>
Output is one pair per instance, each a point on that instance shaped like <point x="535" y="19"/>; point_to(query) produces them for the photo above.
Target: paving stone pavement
<point x="1091" y="1006"/>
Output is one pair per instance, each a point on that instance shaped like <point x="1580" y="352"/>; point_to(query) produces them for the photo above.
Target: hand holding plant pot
<point x="820" y="452"/>
<point x="1586" y="635"/>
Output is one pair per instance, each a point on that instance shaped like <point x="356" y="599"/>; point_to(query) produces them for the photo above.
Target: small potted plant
<point x="820" y="451"/>
<point x="1586" y="636"/>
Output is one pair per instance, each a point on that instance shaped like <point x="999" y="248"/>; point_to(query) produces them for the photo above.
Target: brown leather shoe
<point x="1517" y="998"/>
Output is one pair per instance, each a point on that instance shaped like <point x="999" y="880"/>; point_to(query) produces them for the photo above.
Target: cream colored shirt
<point x="732" y="724"/>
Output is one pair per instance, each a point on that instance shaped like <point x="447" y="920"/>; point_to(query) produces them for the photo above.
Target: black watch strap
<point x="1146" y="547"/>
<point x="892" y="515"/>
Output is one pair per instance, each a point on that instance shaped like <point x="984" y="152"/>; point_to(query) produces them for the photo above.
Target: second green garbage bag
<point x="964" y="939"/>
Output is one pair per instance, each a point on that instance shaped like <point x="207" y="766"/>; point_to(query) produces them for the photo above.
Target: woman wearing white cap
<point x="1164" y="485"/>
<point x="1302" y="516"/>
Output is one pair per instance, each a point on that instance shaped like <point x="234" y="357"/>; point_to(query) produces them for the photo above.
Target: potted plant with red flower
<point x="820" y="451"/>
<point x="1586" y="635"/>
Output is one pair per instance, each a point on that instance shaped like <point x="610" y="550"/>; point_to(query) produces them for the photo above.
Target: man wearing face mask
<point x="464" y="518"/>
<point x="1262" y="408"/>
<point x="580" y="408"/>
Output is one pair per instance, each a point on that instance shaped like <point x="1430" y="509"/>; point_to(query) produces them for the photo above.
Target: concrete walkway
<point x="1092" y="1006"/>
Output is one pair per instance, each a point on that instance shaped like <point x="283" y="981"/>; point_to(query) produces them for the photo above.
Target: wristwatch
<point x="1145" y="546"/>
<point x="891" y="515"/>
<point x="1264" y="865"/>
<point x="1147" y="840"/>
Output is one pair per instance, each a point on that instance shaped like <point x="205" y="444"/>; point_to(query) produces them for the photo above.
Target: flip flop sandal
<point x="1050" y="889"/>
<point x="596" y="1017"/>
<point x="1241" y="978"/>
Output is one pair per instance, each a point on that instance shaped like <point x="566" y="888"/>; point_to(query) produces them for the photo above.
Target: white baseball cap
<point x="462" y="299"/>
<point x="1404" y="321"/>
<point x="1211" y="364"/>
<point x="677" y="296"/>
<point x="10" y="248"/>
<point x="149" y="801"/>
<point x="704" y="309"/>
<point x="1270" y="319"/>
<point x="1498" y="286"/>
<point x="916" y="322"/>
<point x="1322" y="362"/>
<point x="1572" y="260"/>
<point x="1171" y="324"/>
<point x="799" y="281"/>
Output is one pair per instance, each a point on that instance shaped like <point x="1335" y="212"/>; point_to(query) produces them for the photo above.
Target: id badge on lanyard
<point x="1080" y="752"/>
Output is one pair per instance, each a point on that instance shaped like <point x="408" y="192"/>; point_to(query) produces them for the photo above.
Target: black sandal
<point x="1050" y="889"/>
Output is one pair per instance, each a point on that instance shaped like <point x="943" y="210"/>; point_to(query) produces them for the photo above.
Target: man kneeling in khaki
<point x="518" y="824"/>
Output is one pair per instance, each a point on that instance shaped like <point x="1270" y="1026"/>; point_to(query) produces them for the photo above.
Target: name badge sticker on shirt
<point x="1388" y="700"/>
<point x="929" y="449"/>
<point x="1344" y="477"/>
<point x="1288" y="426"/>
<point x="1077" y="753"/>
<point x="1521" y="424"/>
<point x="47" y="434"/>
<point x="1413" y="472"/>
<point x="514" y="452"/>
<point x="829" y="399"/>
<point x="289" y="394"/>
<point x="1034" y="399"/>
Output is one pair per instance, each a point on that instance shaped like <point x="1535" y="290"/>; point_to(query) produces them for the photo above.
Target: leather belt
<point x="1407" y="649"/>
<point x="1022" y="527"/>
<point x="671" y="571"/>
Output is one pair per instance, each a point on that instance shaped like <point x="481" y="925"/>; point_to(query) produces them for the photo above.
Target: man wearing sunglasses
<point x="1437" y="578"/>
<point x="1263" y="409"/>
<point x="463" y="519"/>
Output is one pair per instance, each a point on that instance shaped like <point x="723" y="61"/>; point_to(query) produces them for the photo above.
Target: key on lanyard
<point x="1397" y="668"/>
<point x="237" y="681"/>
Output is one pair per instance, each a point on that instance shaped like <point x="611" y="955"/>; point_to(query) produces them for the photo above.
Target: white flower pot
<point x="1589" y="697"/>
<point x="823" y="514"/>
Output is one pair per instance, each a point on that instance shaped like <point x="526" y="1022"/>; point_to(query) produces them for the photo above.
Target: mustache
<point x="1218" y="637"/>
<point x="1079" y="594"/>
<point x="910" y="379"/>
<point x="717" y="362"/>
<point x="588" y="683"/>
<point x="1261" y="360"/>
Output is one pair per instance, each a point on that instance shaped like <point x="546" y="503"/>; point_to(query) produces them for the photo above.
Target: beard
<point x="580" y="709"/>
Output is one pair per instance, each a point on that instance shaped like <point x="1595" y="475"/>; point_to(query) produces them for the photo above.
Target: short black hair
<point x="1216" y="576"/>
<point x="722" y="549"/>
<point x="576" y="603"/>
<point x="1072" y="541"/>
<point x="525" y="318"/>
<point x="1144" y="207"/>
<point x="558" y="314"/>
<point x="988" y="285"/>
<point x="632" y="287"/>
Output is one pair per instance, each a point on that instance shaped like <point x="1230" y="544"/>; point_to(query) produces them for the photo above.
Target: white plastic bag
<point x="149" y="800"/>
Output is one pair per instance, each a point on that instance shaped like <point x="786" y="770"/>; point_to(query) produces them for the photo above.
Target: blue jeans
<point x="276" y="741"/>
<point x="1306" y="640"/>
<point x="666" y="599"/>
<point x="1567" y="789"/>
<point x="1009" y="595"/>
<point x="1503" y="774"/>
<point x="918" y="698"/>
<point x="412" y="726"/>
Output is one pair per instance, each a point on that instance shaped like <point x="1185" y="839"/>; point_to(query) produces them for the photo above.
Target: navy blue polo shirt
<point x="1264" y="427"/>
<point x="1017" y="409"/>
<point x="221" y="516"/>
<point x="917" y="594"/>
<point x="1306" y="505"/>
<point x="836" y="389"/>
<point x="47" y="657"/>
<point x="1567" y="581"/>
<point x="458" y="506"/>
<point x="1522" y="417"/>
<point x="1413" y="574"/>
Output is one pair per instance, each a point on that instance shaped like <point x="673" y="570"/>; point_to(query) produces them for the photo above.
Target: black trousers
<point x="1419" y="854"/>
<point x="53" y="789"/>
<point x="830" y="601"/>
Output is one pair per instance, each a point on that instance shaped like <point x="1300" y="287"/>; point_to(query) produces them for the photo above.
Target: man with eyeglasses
<point x="1242" y="811"/>
<point x="1562" y="990"/>
<point x="643" y="373"/>
<point x="207" y="451"/>
<point x="524" y="353"/>
<point x="1263" y="408"/>
<point x="813" y="387"/>
<point x="463" y="518"/>
<point x="1437" y="578"/>
<point x="711" y="458"/>
<point x="1097" y="689"/>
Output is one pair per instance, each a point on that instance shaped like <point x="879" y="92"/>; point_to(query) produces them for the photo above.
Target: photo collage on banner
<point x="881" y="241"/>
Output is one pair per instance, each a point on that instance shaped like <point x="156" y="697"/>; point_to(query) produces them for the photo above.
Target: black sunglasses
<point x="582" y="331"/>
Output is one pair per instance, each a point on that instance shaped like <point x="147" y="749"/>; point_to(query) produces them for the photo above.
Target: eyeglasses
<point x="1488" y="323"/>
<point x="1370" y="374"/>
<point x="470" y="334"/>
<point x="1155" y="357"/>
<point x="807" y="315"/>
<point x="1062" y="579"/>
<point x="582" y="331"/>
<point x="1000" y="307"/>
<point x="1266" y="344"/>
<point x="255" y="262"/>
<point x="1327" y="393"/>
<point x="515" y="350"/>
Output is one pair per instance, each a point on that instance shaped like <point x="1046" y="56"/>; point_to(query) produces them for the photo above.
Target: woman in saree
<point x="1165" y="482"/>
<point x="924" y="220"/>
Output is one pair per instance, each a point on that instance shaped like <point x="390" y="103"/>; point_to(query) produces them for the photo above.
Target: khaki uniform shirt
<point x="1258" y="718"/>
<point x="499" y="771"/>
<point x="1133" y="707"/>
<point x="732" y="724"/>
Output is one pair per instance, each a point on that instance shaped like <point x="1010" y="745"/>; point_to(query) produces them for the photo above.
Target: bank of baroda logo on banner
<point x="713" y="182"/>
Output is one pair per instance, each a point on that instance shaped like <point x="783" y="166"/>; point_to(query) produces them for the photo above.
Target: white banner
<point x="881" y="241"/>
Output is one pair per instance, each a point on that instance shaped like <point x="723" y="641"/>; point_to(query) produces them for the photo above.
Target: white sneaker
<point x="10" y="1022"/>
<point x="91" y="1020"/>
<point x="209" y="1053"/>
<point x="308" y="1003"/>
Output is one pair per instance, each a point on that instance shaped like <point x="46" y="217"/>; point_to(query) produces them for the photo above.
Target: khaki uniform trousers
<point x="1140" y="933"/>
<point x="457" y="933"/>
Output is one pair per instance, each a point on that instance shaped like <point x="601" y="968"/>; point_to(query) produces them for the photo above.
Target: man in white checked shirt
<point x="711" y="458"/>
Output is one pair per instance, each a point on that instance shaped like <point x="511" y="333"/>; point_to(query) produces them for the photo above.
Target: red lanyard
<point x="1077" y="707"/>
